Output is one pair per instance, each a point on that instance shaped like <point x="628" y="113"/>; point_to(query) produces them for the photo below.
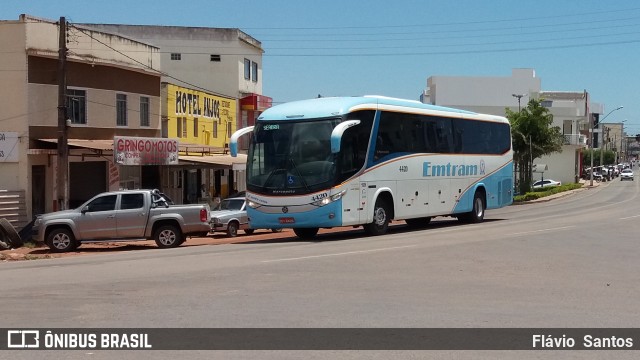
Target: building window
<point x="195" y="127"/>
<point x="215" y="58"/>
<point x="247" y="69"/>
<point x="144" y="111"/>
<point x="121" y="109"/>
<point x="215" y="129"/>
<point x="77" y="108"/>
<point x="228" y="130"/>
<point x="176" y="56"/>
<point x="179" y="127"/>
<point x="546" y="103"/>
<point x="254" y="71"/>
<point x="184" y="127"/>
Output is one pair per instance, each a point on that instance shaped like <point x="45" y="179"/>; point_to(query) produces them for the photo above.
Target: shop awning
<point x="104" y="145"/>
<point x="87" y="144"/>
<point x="235" y="163"/>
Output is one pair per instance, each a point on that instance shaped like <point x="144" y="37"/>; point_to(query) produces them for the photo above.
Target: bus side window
<point x="443" y="135"/>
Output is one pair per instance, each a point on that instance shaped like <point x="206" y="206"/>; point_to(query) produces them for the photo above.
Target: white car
<point x="545" y="183"/>
<point x="626" y="174"/>
<point x="230" y="216"/>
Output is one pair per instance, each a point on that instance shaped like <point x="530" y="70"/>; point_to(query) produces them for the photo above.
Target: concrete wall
<point x="561" y="165"/>
<point x="491" y="94"/>
<point x="15" y="113"/>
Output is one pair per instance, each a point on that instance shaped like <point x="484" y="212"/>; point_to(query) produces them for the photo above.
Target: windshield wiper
<point x="304" y="182"/>
<point x="266" y="182"/>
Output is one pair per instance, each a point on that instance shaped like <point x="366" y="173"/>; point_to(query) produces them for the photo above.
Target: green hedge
<point x="540" y="193"/>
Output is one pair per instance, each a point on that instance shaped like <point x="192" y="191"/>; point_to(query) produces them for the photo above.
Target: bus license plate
<point x="287" y="220"/>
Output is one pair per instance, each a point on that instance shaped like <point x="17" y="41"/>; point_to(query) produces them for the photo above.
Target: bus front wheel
<point x="477" y="212"/>
<point x="380" y="222"/>
<point x="306" y="233"/>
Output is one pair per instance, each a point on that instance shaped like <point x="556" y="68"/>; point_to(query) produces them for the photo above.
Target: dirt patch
<point x="40" y="251"/>
<point x="35" y="251"/>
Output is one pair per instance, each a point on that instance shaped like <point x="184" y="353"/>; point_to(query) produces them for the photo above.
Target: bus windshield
<point x="291" y="157"/>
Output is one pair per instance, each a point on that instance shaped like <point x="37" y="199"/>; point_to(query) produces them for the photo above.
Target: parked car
<point x="230" y="216"/>
<point x="545" y="183"/>
<point x="626" y="174"/>
<point x="123" y="215"/>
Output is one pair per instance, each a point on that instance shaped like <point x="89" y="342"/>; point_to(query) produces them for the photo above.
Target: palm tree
<point x="532" y="136"/>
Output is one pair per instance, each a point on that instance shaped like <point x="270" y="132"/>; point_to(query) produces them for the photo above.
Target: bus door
<point x="363" y="203"/>
<point x="351" y="204"/>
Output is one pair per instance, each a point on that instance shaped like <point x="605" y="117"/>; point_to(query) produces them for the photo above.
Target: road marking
<point x="541" y="230"/>
<point x="629" y="217"/>
<point x="339" y="254"/>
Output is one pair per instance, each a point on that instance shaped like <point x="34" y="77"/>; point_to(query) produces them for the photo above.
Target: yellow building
<point x="203" y="124"/>
<point x="197" y="117"/>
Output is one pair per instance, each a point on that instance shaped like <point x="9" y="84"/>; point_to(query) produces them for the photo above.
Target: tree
<point x="533" y="136"/>
<point x="609" y="157"/>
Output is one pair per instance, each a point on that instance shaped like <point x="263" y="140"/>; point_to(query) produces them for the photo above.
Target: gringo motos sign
<point x="129" y="150"/>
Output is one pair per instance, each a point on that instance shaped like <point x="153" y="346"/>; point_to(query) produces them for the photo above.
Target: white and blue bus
<point x="349" y="161"/>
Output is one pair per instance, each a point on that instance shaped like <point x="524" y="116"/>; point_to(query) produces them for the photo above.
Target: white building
<point x="491" y="95"/>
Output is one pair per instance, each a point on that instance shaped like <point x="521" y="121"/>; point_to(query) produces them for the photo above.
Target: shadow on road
<point x="340" y="234"/>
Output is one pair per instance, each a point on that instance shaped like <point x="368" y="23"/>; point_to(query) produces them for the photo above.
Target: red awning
<point x="256" y="102"/>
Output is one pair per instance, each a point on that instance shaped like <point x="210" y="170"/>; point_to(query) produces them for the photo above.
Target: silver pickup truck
<point x="123" y="215"/>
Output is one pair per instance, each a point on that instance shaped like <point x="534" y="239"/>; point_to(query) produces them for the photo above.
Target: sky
<point x="390" y="48"/>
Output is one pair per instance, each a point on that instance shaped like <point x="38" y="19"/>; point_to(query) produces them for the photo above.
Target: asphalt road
<point x="570" y="262"/>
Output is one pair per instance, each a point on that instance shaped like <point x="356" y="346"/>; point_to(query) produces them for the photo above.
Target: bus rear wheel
<point x="306" y="233"/>
<point x="381" y="220"/>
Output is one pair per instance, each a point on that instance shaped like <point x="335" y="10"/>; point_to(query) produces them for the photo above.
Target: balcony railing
<point x="575" y="139"/>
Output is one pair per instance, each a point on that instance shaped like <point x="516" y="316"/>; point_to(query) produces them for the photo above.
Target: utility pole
<point x="63" y="146"/>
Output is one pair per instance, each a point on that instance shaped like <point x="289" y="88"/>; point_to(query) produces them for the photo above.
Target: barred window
<point x="77" y="108"/>
<point x="144" y="111"/>
<point x="121" y="110"/>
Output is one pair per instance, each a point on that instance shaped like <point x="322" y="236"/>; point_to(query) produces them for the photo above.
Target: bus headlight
<point x="330" y="199"/>
<point x="252" y="204"/>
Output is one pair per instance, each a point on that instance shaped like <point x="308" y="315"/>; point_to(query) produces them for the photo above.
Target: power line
<point x="599" y="13"/>
<point x="462" y="52"/>
<point x="473" y="30"/>
<point x="428" y="36"/>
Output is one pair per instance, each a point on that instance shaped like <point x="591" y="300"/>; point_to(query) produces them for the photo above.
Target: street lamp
<point x="518" y="96"/>
<point x="592" y="134"/>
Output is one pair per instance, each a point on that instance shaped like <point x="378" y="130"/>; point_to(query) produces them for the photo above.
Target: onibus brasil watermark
<point x="39" y="339"/>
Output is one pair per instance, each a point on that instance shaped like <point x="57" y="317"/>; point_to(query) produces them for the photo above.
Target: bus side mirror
<point x="336" y="134"/>
<point x="233" y="142"/>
